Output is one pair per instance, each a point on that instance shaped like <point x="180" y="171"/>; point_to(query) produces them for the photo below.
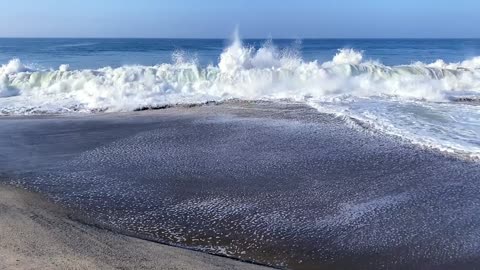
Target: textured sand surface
<point x="274" y="183"/>
<point x="35" y="234"/>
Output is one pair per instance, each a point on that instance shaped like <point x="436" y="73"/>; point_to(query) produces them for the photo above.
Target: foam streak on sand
<point x="36" y="234"/>
<point x="273" y="183"/>
<point x="423" y="96"/>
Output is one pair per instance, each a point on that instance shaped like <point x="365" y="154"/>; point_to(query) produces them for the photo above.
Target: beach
<point x="36" y="234"/>
<point x="274" y="183"/>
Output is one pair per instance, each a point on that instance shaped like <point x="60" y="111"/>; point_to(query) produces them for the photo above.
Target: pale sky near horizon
<point x="256" y="19"/>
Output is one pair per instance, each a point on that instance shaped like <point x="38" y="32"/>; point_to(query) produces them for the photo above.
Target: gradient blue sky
<point x="256" y="18"/>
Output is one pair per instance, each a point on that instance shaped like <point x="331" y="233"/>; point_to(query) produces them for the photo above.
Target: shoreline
<point x="38" y="234"/>
<point x="279" y="184"/>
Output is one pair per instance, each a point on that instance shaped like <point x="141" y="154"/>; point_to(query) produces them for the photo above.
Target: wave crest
<point x="242" y="72"/>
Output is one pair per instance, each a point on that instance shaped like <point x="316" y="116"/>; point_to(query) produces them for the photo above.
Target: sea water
<point x="426" y="92"/>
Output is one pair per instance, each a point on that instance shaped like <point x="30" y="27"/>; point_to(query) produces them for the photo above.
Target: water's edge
<point x="383" y="175"/>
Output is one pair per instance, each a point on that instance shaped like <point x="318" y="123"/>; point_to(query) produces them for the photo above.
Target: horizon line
<point x="227" y="38"/>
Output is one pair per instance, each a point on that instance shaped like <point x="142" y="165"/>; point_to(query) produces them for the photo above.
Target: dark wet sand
<point x="36" y="234"/>
<point x="272" y="183"/>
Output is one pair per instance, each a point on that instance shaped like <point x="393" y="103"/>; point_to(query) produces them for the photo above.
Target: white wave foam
<point x="242" y="72"/>
<point x="246" y="73"/>
<point x="443" y="126"/>
<point x="14" y="66"/>
<point x="345" y="56"/>
<point x="473" y="63"/>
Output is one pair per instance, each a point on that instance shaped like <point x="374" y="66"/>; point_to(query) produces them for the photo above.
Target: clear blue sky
<point x="256" y="18"/>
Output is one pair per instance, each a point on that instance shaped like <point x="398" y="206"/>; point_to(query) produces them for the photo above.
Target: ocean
<point x="330" y="154"/>
<point x="424" y="91"/>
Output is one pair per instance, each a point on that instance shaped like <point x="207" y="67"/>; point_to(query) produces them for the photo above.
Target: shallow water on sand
<point x="278" y="184"/>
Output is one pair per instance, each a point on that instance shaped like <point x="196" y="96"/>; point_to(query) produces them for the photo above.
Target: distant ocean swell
<point x="419" y="102"/>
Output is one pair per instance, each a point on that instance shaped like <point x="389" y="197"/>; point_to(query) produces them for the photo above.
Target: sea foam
<point x="242" y="72"/>
<point x="339" y="85"/>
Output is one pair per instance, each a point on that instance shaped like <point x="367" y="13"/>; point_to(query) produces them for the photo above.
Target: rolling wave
<point x="406" y="100"/>
<point x="242" y="72"/>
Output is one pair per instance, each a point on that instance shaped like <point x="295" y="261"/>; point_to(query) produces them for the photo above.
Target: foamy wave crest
<point x="242" y="72"/>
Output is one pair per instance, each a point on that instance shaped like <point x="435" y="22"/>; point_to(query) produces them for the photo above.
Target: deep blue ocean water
<point x="96" y="53"/>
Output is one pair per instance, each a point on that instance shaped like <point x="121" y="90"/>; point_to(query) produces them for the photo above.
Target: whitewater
<point x="430" y="104"/>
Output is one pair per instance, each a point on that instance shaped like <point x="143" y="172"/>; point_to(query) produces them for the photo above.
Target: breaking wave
<point x="414" y="101"/>
<point x="242" y="72"/>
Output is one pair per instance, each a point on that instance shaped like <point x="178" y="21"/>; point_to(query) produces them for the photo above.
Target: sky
<point x="255" y="18"/>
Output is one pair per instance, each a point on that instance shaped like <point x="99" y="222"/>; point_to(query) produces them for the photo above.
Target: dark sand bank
<point x="36" y="234"/>
<point x="273" y="183"/>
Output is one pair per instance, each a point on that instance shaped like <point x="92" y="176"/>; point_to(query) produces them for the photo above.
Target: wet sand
<point x="36" y="234"/>
<point x="277" y="184"/>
